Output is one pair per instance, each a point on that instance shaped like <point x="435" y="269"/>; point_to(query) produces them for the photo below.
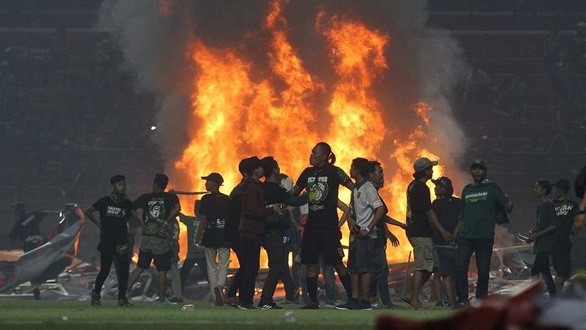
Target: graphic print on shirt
<point x="563" y="209"/>
<point x="116" y="212"/>
<point x="318" y="191"/>
<point x="156" y="209"/>
<point x="155" y="215"/>
<point x="220" y="223"/>
<point x="475" y="197"/>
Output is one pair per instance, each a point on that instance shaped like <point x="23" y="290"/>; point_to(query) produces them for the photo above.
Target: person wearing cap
<point x="447" y="208"/>
<point x="420" y="219"/>
<point x="321" y="234"/>
<point x="159" y="209"/>
<point x="252" y="229"/>
<point x="482" y="202"/>
<point x="215" y="210"/>
<point x="565" y="210"/>
<point x="115" y="210"/>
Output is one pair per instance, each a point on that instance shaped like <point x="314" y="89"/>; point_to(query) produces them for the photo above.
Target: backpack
<point x="580" y="183"/>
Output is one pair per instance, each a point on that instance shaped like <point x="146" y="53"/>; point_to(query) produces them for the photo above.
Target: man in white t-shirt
<point x="367" y="210"/>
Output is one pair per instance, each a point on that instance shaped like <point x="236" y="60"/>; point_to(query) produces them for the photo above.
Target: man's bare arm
<point x="89" y="213"/>
<point x="395" y="222"/>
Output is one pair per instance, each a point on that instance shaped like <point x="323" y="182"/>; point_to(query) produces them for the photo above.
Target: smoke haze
<point x="423" y="61"/>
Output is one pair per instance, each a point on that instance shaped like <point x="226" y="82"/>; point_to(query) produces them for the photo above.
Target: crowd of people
<point x="444" y="233"/>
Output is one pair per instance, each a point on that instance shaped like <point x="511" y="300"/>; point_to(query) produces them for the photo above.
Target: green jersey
<point x="480" y="205"/>
<point x="194" y="251"/>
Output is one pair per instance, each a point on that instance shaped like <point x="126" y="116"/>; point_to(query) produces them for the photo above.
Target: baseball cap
<point x="442" y="181"/>
<point x="215" y="177"/>
<point x="478" y="162"/>
<point x="423" y="163"/>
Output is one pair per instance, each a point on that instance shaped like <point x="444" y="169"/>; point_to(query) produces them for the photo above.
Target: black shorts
<point x="447" y="261"/>
<point x="321" y="241"/>
<point x="361" y="255"/>
<point x="562" y="263"/>
<point x="162" y="261"/>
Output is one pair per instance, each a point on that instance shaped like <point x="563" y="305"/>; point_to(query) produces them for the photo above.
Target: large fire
<point x="236" y="114"/>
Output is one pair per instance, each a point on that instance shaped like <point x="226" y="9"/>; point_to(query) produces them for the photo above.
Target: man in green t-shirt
<point x="195" y="252"/>
<point x="483" y="201"/>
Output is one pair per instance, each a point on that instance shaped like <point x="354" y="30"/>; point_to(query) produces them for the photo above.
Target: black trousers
<point x="482" y="248"/>
<point x="188" y="264"/>
<point x="237" y="278"/>
<point x="249" y="265"/>
<point x="278" y="269"/>
<point x="541" y="266"/>
<point x="121" y="264"/>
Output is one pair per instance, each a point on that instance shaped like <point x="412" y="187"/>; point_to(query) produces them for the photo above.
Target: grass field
<point x="32" y="314"/>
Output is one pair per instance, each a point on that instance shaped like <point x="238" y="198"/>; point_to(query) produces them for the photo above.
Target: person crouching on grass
<point x="159" y="209"/>
<point x="115" y="211"/>
<point x="368" y="212"/>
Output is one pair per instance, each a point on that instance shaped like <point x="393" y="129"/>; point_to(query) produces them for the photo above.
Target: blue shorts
<point x="360" y="257"/>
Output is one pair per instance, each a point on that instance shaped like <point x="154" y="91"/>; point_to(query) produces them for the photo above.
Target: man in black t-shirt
<point x="447" y="208"/>
<point x="420" y="218"/>
<point x="543" y="234"/>
<point x="322" y="235"/>
<point x="565" y="211"/>
<point x="115" y="211"/>
<point x="215" y="207"/>
<point x="233" y="234"/>
<point x="159" y="209"/>
<point x="275" y="240"/>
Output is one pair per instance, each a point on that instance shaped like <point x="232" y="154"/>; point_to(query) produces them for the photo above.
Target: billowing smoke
<point x="154" y="48"/>
<point x="423" y="61"/>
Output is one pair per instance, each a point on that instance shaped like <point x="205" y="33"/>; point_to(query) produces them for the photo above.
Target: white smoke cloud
<point x="154" y="49"/>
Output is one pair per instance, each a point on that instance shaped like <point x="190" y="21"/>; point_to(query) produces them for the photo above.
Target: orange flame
<point x="356" y="127"/>
<point x="235" y="116"/>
